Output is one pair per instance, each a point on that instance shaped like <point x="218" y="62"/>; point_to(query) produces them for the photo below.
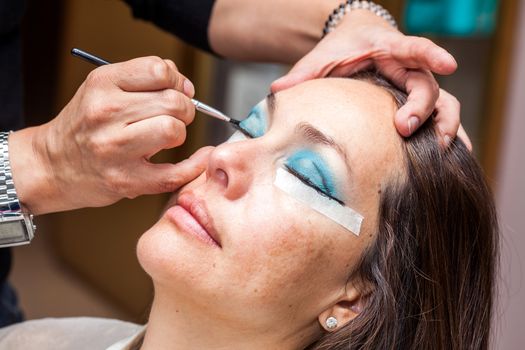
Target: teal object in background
<point x="451" y="17"/>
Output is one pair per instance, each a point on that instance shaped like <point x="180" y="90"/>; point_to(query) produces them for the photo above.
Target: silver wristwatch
<point x="16" y="227"/>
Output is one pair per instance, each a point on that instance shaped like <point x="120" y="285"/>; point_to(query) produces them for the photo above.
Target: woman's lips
<point x="190" y="214"/>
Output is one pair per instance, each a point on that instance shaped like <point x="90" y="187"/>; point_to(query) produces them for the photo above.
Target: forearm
<point x="187" y="19"/>
<point x="270" y="30"/>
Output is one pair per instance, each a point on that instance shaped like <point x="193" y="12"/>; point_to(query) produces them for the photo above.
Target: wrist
<point x="32" y="172"/>
<point x="356" y="14"/>
<point x="369" y="33"/>
<point x="365" y="17"/>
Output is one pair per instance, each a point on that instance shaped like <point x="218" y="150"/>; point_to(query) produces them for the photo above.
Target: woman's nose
<point x="231" y="167"/>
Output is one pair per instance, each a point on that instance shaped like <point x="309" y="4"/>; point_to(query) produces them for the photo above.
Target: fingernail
<point x="413" y="123"/>
<point x="276" y="84"/>
<point x="447" y="140"/>
<point x="189" y="89"/>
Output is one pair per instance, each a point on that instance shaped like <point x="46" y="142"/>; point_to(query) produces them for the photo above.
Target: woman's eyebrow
<point x="311" y="133"/>
<point x="314" y="135"/>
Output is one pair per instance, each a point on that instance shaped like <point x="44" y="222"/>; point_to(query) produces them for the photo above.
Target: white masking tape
<point x="343" y="215"/>
<point x="236" y="136"/>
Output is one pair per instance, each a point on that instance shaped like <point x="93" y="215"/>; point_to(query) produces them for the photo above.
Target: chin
<point x="144" y="252"/>
<point x="172" y="260"/>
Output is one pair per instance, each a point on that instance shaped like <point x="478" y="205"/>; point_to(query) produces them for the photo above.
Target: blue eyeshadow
<point x="307" y="165"/>
<point x="255" y="124"/>
<point x="310" y="166"/>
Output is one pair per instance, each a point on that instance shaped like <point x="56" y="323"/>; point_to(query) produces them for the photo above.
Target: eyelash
<point x="302" y="178"/>
<point x="309" y="183"/>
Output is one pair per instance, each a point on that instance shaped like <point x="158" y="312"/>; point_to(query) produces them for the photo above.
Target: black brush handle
<point x="88" y="57"/>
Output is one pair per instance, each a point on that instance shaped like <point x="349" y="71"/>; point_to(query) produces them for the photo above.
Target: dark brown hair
<point x="432" y="266"/>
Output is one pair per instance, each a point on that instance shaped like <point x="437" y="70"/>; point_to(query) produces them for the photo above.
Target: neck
<point x="179" y="325"/>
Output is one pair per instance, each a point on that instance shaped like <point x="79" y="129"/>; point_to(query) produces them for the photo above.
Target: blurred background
<point x="83" y="263"/>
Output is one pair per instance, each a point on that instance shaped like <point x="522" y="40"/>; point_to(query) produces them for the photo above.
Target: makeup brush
<point x="202" y="107"/>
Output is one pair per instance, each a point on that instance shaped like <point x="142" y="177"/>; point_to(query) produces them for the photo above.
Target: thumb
<point x="309" y="67"/>
<point x="293" y="78"/>
<point x="170" y="177"/>
<point x="319" y="64"/>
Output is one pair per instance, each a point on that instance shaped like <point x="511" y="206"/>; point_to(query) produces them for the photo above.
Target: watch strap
<point x="16" y="226"/>
<point x="9" y="202"/>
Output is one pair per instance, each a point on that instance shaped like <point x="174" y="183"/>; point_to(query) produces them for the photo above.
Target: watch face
<point x="13" y="233"/>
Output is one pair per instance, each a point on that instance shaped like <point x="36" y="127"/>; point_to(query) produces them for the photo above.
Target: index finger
<point x="423" y="93"/>
<point x="422" y="53"/>
<point x="148" y="74"/>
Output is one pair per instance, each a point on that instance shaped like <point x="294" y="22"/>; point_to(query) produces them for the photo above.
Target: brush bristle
<point x="235" y="122"/>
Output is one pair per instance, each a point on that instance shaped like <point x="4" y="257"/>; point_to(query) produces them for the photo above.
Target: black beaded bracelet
<point x="349" y="5"/>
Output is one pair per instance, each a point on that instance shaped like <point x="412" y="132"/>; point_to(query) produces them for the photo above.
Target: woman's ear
<point x="346" y="308"/>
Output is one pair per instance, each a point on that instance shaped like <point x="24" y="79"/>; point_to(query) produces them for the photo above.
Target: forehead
<point x="357" y="114"/>
<point x="339" y="104"/>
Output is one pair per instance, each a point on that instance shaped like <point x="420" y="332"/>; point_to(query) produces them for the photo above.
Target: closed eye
<point x="304" y="179"/>
<point x="309" y="182"/>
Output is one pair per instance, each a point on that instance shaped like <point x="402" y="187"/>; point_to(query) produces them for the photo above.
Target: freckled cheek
<point x="284" y="257"/>
<point x="367" y="196"/>
<point x="269" y="246"/>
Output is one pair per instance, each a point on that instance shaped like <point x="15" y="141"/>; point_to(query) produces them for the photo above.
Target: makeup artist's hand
<point x="97" y="150"/>
<point x="362" y="40"/>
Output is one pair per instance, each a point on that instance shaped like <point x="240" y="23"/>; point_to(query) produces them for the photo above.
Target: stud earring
<point x="331" y="322"/>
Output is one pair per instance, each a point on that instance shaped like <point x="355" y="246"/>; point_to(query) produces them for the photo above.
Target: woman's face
<point x="248" y="252"/>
